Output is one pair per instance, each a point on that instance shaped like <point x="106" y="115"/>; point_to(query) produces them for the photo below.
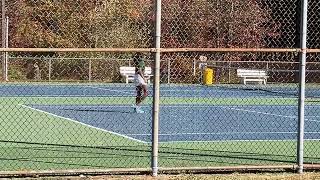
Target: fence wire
<point x="74" y="110"/>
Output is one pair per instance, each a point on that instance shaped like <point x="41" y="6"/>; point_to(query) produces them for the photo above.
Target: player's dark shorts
<point x="139" y="91"/>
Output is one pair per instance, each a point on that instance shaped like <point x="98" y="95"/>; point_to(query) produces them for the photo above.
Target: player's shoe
<point x="137" y="109"/>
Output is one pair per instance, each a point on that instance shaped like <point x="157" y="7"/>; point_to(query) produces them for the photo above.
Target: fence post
<point x="303" y="53"/>
<point x="49" y="69"/>
<point x="6" y="57"/>
<point x="169" y="71"/>
<point x="156" y="92"/>
<point x="3" y="24"/>
<point x="90" y="70"/>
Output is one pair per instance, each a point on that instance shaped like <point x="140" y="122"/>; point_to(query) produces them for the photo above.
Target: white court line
<point x="259" y="112"/>
<point x="165" y="90"/>
<point x="189" y="90"/>
<point x="57" y="96"/>
<point x="69" y="119"/>
<point x="264" y="113"/>
<point x="88" y="106"/>
<point x="313" y="116"/>
<point x="225" y="141"/>
<point x="222" y="133"/>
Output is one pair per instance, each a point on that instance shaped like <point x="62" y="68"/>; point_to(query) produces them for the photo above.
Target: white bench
<point x="128" y="73"/>
<point x="252" y="75"/>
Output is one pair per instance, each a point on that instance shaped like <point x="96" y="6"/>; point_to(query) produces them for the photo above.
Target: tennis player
<point x="140" y="80"/>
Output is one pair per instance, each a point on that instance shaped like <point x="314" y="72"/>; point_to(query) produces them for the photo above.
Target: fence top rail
<point x="168" y="50"/>
<point x="239" y="50"/>
<point x="230" y="50"/>
<point x="76" y="50"/>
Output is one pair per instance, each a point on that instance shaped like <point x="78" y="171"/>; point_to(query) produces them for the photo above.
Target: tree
<point x="63" y="23"/>
<point x="127" y="24"/>
<point x="215" y="23"/>
<point x="212" y="24"/>
<point x="77" y="24"/>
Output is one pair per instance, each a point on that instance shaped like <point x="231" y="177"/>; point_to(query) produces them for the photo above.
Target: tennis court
<point x="100" y="117"/>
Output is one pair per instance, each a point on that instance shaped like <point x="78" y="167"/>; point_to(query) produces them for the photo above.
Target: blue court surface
<point x="193" y="123"/>
<point x="188" y="122"/>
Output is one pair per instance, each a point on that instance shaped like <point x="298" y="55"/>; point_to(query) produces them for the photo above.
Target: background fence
<point x="65" y="105"/>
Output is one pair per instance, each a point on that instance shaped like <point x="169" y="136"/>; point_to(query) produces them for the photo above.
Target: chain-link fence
<point x="229" y="86"/>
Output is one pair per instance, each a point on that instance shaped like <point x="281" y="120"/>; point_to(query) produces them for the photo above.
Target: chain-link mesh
<point x="74" y="110"/>
<point x="228" y="123"/>
<point x="89" y="24"/>
<point x="70" y="121"/>
<point x="76" y="67"/>
<point x="312" y="82"/>
<point x="311" y="107"/>
<point x="226" y="23"/>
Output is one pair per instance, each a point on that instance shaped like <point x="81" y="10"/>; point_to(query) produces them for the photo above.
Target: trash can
<point x="208" y="76"/>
